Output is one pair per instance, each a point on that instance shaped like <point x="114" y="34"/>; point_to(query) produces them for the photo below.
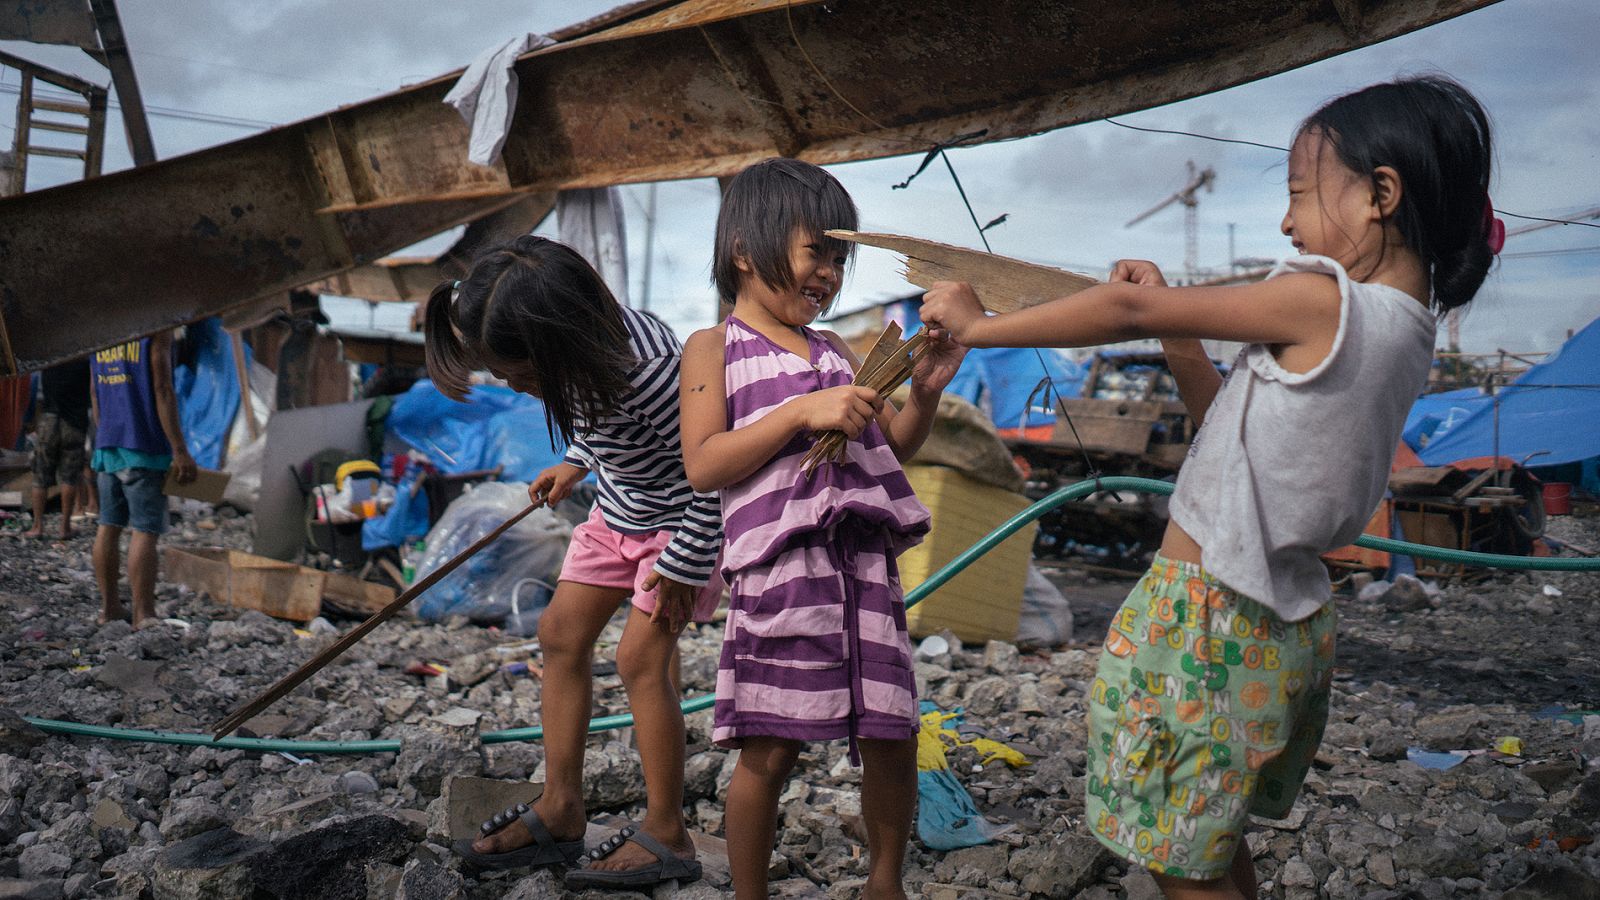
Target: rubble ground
<point x="1513" y="656"/>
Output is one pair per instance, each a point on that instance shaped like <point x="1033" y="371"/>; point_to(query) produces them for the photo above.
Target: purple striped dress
<point x="816" y="646"/>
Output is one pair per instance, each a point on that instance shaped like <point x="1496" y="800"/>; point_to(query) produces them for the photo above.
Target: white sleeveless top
<point x="1289" y="466"/>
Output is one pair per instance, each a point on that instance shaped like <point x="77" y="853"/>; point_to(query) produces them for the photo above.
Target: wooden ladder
<point x="87" y="119"/>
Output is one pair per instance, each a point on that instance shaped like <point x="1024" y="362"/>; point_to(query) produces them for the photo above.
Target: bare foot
<point x="36" y="532"/>
<point x="113" y="614"/>
<point x="633" y="856"/>
<point x="67" y="534"/>
<point x="140" y="623"/>
<point x="567" y="824"/>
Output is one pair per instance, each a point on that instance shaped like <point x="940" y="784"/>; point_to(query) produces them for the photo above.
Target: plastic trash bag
<point x="1046" y="619"/>
<point x="514" y="574"/>
<point x="947" y="817"/>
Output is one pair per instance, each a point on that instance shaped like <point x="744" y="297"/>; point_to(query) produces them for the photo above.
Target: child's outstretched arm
<point x="1297" y="309"/>
<point x="1198" y="381"/>
<point x="716" y="454"/>
<point x="906" y="429"/>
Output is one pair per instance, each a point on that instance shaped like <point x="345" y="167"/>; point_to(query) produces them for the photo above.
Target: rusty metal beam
<point x="694" y="89"/>
<point x="48" y="22"/>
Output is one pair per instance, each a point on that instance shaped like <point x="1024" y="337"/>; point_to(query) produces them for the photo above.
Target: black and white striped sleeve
<point x="691" y="554"/>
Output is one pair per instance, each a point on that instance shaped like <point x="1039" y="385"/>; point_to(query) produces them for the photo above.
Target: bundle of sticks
<point x="887" y="366"/>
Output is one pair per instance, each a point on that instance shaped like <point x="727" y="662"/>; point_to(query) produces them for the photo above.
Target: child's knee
<point x="642" y="665"/>
<point x="560" y="634"/>
<point x="769" y="760"/>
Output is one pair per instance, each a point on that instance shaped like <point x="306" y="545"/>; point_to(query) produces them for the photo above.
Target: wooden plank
<point x="351" y="596"/>
<point x="1003" y="284"/>
<point x="279" y="589"/>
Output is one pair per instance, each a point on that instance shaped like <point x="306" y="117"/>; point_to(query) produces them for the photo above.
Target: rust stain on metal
<point x="660" y="91"/>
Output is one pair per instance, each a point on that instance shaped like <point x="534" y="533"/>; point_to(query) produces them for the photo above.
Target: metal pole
<point x="114" y="47"/>
<point x="649" y="245"/>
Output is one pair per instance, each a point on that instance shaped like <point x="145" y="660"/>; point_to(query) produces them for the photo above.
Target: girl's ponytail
<point x="449" y="364"/>
<point x="1459" y="272"/>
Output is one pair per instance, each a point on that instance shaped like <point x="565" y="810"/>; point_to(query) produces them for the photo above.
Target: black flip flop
<point x="544" y="851"/>
<point x="668" y="866"/>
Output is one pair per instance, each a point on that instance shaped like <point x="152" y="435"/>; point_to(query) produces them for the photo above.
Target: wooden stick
<point x="245" y="406"/>
<point x="289" y="682"/>
<point x="1003" y="284"/>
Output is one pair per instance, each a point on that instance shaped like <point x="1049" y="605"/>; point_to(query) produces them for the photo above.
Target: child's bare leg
<point x="142" y="576"/>
<point x="888" y="800"/>
<point x="1239" y="882"/>
<point x="751" y="817"/>
<point x="567" y="632"/>
<point x="107" y="562"/>
<point x="69" y="499"/>
<point x="41" y="496"/>
<point x="643" y="660"/>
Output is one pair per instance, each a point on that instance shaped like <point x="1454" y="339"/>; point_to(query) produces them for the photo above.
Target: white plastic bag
<point x="518" y="568"/>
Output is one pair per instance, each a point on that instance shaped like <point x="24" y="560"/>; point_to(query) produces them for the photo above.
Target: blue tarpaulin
<point x="1549" y="415"/>
<point x="208" y="392"/>
<point x="495" y="427"/>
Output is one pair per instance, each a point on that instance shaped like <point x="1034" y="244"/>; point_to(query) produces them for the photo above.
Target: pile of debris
<point x="1463" y="755"/>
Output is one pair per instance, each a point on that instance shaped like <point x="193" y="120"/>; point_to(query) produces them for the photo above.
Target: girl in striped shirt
<point x="816" y="645"/>
<point x="537" y="316"/>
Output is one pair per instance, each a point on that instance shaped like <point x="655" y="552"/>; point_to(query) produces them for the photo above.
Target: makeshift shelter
<point x="1549" y="416"/>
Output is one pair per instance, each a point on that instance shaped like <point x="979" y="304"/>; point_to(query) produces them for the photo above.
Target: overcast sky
<point x="1068" y="192"/>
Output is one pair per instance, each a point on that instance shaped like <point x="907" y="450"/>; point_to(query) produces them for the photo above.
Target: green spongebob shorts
<point x="1207" y="708"/>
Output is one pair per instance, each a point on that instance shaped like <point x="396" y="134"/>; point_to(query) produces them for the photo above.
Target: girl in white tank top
<point x="1389" y="205"/>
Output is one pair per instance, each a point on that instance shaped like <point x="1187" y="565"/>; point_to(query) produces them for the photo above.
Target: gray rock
<point x="383" y="880"/>
<point x="357" y="782"/>
<point x="31" y="889"/>
<point x="190" y="816"/>
<point x="17" y="737"/>
<point x="1436" y="858"/>
<point x="975" y="866"/>
<point x="465" y="803"/>
<point x="1139" y="885"/>
<point x="427" y="757"/>
<point x="216" y="865"/>
<point x="47" y="859"/>
<point x="1001" y="658"/>
<point x="540" y="885"/>
<point x="1061" y="868"/>
<point x="424" y="880"/>
<point x="1452" y="728"/>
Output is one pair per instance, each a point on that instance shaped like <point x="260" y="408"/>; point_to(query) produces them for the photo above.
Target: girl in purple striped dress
<point x="816" y="646"/>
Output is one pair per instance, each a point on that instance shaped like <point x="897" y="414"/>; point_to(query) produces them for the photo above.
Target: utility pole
<point x="1233" y="266"/>
<point x="649" y="245"/>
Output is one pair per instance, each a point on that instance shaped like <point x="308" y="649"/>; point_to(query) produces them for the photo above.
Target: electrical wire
<point x="1204" y="137"/>
<point x="161" y="111"/>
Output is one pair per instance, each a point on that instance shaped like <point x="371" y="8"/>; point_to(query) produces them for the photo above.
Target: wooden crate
<point x="280" y="589"/>
<point x="1110" y="426"/>
<point x="984" y="602"/>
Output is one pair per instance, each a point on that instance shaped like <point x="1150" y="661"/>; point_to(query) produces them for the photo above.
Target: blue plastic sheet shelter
<point x="208" y="391"/>
<point x="1550" y="415"/>
<point x="496" y="426"/>
<point x="1000" y="380"/>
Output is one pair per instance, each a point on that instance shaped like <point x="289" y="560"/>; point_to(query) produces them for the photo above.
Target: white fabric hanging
<point x="589" y="220"/>
<point x="486" y="95"/>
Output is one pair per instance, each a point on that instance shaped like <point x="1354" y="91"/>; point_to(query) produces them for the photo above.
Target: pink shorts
<point x="604" y="557"/>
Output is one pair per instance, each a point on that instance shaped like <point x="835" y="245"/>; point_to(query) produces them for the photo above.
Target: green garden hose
<point x="913" y="597"/>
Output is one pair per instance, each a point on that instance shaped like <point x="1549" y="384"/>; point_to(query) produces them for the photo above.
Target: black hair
<point x="762" y="207"/>
<point x="1436" y="135"/>
<point x="533" y="301"/>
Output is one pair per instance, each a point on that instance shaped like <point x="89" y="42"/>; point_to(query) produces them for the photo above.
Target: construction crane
<point x="1202" y="178"/>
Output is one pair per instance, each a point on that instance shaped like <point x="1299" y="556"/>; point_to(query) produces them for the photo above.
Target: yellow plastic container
<point x="984" y="601"/>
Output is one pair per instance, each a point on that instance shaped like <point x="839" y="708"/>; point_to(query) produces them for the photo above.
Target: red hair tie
<point x="1494" y="230"/>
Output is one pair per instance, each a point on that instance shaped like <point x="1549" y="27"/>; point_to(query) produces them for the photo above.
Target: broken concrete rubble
<point x="87" y="818"/>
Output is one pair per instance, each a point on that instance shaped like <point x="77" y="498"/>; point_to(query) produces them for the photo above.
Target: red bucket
<point x="1558" y="498"/>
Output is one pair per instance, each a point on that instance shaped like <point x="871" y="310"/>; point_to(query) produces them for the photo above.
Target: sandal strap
<point x="614" y="843"/>
<point x="536" y="827"/>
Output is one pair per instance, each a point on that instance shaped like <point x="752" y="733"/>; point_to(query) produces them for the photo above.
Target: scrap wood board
<point x="279" y="589"/>
<point x="1003" y="284"/>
